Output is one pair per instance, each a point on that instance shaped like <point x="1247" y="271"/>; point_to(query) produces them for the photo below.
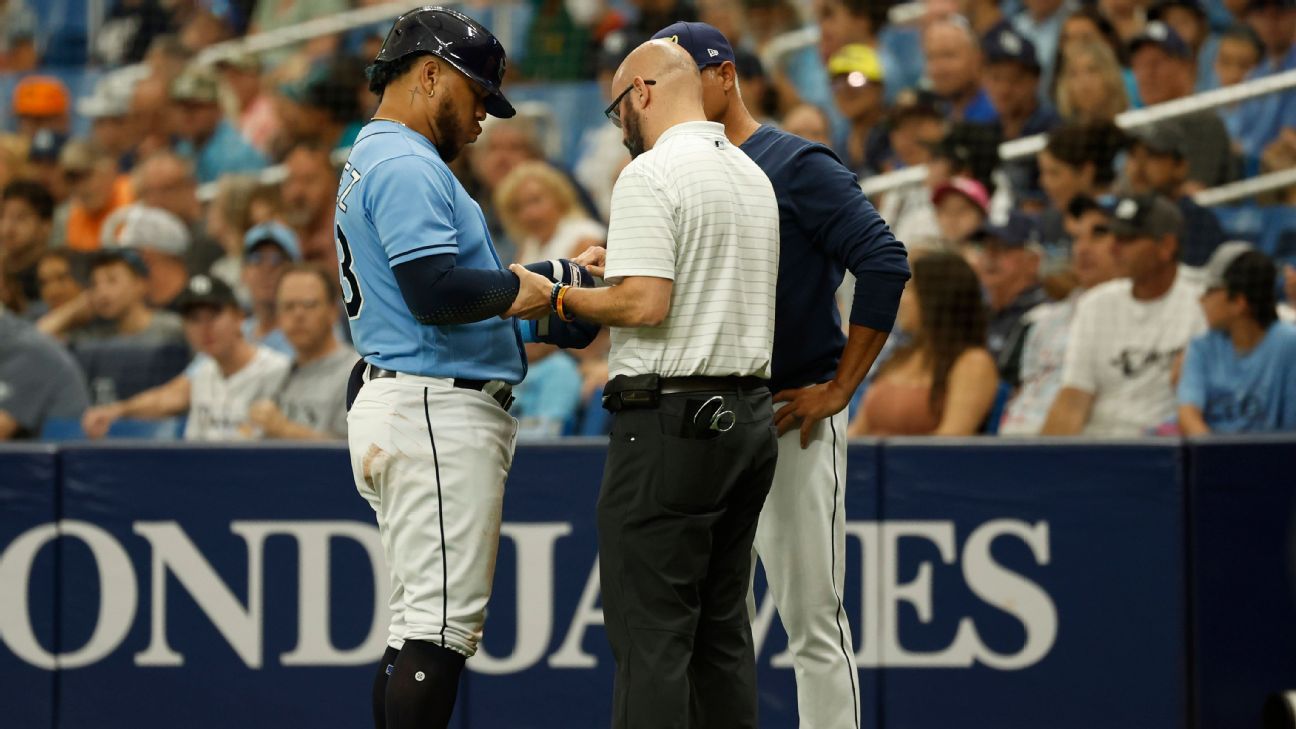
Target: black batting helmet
<point x="459" y="41"/>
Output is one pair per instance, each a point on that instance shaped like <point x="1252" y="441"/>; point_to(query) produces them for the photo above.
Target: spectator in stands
<point x="1012" y="82"/>
<point x="915" y="129"/>
<point x="858" y="88"/>
<point x="165" y="180"/>
<point x="210" y="140"/>
<point x="229" y="217"/>
<point x="219" y="389"/>
<point x="982" y="15"/>
<point x="551" y="394"/>
<point x="809" y="122"/>
<point x="41" y="102"/>
<point x="26" y="218"/>
<point x="1041" y="22"/>
<point x="312" y="403"/>
<point x="962" y="205"/>
<point x="1165" y="70"/>
<point x="1240" y="52"/>
<point x="1240" y="377"/>
<point x="1128" y="333"/>
<point x="39" y="381"/>
<point x="309" y="193"/>
<point x="1090" y="86"/>
<point x="1043" y="332"/>
<point x="97" y="191"/>
<point x="43" y="166"/>
<point x="323" y="108"/>
<point x="108" y="108"/>
<point x="129" y="30"/>
<point x="943" y="381"/>
<point x="202" y="28"/>
<point x="953" y="61"/>
<point x="162" y="241"/>
<point x="152" y="113"/>
<point x="1010" y="275"/>
<point x="269" y="250"/>
<point x="1275" y="22"/>
<point x="18" y="25"/>
<point x="1158" y="163"/>
<point x="256" y="120"/>
<point x="57" y="278"/>
<point x="842" y="22"/>
<point x="118" y="301"/>
<point x="602" y="154"/>
<point x="1077" y="159"/>
<point x="543" y="216"/>
<point x="1128" y="17"/>
<point x="1188" y="19"/>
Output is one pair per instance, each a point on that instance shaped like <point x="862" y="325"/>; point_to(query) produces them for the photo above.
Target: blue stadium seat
<point x="1002" y="395"/>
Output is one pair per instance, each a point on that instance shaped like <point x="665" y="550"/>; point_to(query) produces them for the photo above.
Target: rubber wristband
<point x="562" y="314"/>
<point x="553" y="295"/>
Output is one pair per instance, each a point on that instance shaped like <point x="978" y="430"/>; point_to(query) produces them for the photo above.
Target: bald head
<point x="664" y="89"/>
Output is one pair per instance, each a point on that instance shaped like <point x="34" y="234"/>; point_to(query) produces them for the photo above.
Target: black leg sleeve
<point x="421" y="691"/>
<point x="385" y="667"/>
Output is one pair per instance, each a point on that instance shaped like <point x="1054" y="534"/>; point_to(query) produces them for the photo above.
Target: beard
<point x="450" y="138"/>
<point x="633" y="137"/>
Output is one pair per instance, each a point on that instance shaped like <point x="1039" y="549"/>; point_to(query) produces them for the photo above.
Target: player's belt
<point x="501" y="392"/>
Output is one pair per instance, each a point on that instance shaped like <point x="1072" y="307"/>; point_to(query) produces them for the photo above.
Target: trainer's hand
<point x="532" y="301"/>
<point x="97" y="420"/>
<point x="593" y="259"/>
<point x="809" y="405"/>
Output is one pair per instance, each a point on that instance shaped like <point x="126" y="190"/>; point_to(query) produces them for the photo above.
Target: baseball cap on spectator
<point x="1003" y="44"/>
<point x="1016" y="231"/>
<point x="274" y="233"/>
<point x="203" y="290"/>
<point x="1081" y="204"/>
<point x="1158" y="9"/>
<point x="111" y="96"/>
<point x="858" y="63"/>
<point x="129" y="256"/>
<point x="1164" y="37"/>
<point x="195" y="85"/>
<point x="143" y="227"/>
<point x="967" y="187"/>
<point x="40" y="96"/>
<point x="1163" y="140"/>
<point x="1148" y="215"/>
<point x="77" y="157"/>
<point x="46" y="146"/>
<point x="705" y="43"/>
<point x="1220" y="260"/>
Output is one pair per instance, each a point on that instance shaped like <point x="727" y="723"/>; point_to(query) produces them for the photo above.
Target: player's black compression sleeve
<point x="438" y="292"/>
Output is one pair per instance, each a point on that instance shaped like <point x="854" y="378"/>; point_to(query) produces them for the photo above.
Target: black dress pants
<point x="676" y="517"/>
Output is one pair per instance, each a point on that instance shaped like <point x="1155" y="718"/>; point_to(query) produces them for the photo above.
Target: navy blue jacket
<point x="826" y="226"/>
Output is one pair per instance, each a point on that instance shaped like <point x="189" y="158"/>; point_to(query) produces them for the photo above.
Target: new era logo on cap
<point x="1010" y="42"/>
<point x="712" y="52"/>
<point x="200" y="285"/>
<point x="1156" y="30"/>
<point x="1126" y="209"/>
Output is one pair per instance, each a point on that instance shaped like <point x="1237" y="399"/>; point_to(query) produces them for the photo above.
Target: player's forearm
<point x="863" y="345"/>
<point x="628" y="304"/>
<point x="1191" y="421"/>
<point x="160" y="402"/>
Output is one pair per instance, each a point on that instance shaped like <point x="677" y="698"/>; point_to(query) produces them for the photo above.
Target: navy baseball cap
<point x="46" y="146"/>
<point x="1004" y="44"/>
<point x="707" y="45"/>
<point x="1016" y="232"/>
<point x="1163" y="36"/>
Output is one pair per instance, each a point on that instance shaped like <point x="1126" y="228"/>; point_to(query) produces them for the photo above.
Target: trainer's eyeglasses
<point x="613" y="112"/>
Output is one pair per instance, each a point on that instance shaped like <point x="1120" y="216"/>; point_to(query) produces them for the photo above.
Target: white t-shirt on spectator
<point x="696" y="210"/>
<point x="1123" y="350"/>
<point x="219" y="405"/>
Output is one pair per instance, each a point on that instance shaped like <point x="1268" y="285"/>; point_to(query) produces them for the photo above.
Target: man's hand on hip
<point x="807" y="406"/>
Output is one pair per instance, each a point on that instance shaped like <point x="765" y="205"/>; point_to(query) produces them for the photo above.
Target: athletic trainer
<point x="826" y="226"/>
<point x="692" y="257"/>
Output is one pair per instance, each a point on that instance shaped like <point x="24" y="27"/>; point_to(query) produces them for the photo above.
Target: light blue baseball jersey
<point x="397" y="202"/>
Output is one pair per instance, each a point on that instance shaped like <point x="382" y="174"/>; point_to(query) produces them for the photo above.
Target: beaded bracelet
<point x="553" y="295"/>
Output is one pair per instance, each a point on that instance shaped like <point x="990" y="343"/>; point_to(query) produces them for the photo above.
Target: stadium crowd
<point x="1077" y="291"/>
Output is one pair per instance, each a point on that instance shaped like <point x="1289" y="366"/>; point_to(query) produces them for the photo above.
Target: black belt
<point x="503" y="395"/>
<point x="643" y="391"/>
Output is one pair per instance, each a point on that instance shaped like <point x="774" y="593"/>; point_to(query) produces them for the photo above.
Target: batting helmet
<point x="459" y="41"/>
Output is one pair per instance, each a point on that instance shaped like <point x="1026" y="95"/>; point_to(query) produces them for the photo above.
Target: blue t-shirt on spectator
<point x="548" y="398"/>
<point x="1266" y="116"/>
<point x="1254" y="393"/>
<point x="226" y="152"/>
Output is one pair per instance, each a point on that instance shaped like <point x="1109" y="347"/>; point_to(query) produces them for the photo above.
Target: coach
<point x="692" y="257"/>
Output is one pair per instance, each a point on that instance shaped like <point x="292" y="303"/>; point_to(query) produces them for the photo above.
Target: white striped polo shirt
<point x="695" y="209"/>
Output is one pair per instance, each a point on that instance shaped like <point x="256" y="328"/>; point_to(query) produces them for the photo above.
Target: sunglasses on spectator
<point x="613" y="112"/>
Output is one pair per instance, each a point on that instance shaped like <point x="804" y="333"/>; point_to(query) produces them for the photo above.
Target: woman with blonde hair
<point x="543" y="215"/>
<point x="1090" y="85"/>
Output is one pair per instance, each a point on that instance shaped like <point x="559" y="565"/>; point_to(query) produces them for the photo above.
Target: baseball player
<point x="826" y="226"/>
<point x="430" y="436"/>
